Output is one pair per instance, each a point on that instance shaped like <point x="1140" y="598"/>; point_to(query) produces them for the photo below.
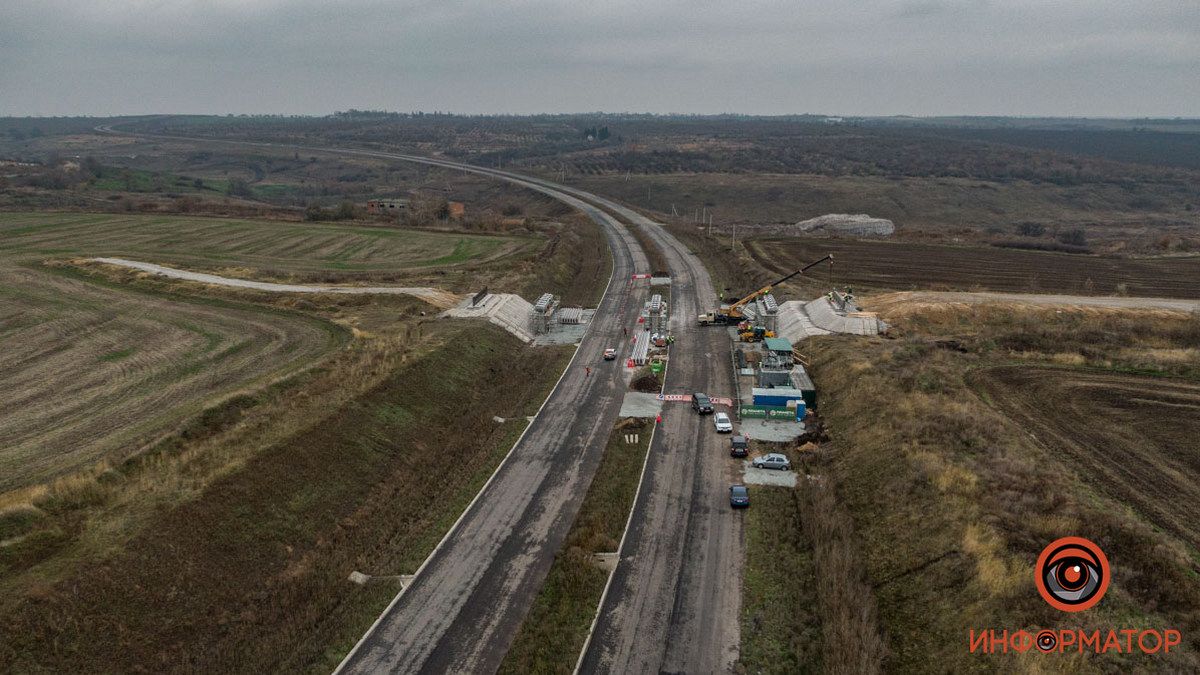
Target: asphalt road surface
<point x="674" y="598"/>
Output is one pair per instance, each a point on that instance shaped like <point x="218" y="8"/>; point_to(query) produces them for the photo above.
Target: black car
<point x="739" y="446"/>
<point x="739" y="496"/>
<point x="702" y="404"/>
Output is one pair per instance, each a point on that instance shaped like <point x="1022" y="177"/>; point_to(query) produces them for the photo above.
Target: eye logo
<point x="1072" y="574"/>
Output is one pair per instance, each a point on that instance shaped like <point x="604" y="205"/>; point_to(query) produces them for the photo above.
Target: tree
<point x="1075" y="237"/>
<point x="238" y="187"/>
<point x="346" y="211"/>
<point x="1028" y="229"/>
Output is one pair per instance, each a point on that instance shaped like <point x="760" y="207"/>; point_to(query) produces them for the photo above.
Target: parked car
<point x="702" y="404"/>
<point x="739" y="446"/>
<point x="722" y="423"/>
<point x="610" y="354"/>
<point x="739" y="496"/>
<point x="772" y="460"/>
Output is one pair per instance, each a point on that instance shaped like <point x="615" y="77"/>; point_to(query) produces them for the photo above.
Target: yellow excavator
<point x="732" y="314"/>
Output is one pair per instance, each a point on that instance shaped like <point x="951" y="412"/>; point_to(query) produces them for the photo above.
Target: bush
<point x="1075" y="237"/>
<point x="1028" y="229"/>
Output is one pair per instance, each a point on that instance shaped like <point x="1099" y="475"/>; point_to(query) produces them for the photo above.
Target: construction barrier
<point x="768" y="412"/>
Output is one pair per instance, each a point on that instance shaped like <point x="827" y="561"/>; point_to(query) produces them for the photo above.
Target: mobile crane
<point x="732" y="314"/>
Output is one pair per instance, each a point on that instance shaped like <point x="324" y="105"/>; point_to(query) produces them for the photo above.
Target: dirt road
<point x="887" y="301"/>
<point x="434" y="296"/>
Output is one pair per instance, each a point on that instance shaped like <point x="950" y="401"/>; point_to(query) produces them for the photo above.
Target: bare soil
<point x="917" y="266"/>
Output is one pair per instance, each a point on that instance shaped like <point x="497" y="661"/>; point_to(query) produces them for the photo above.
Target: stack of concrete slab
<point x="510" y="312"/>
<point x="794" y="323"/>
<point x="570" y="315"/>
<point x="641" y="347"/>
<point x="798" y="320"/>
<point x="824" y="316"/>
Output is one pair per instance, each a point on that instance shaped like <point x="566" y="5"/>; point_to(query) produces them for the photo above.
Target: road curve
<point x="466" y="602"/>
<point x="673" y="605"/>
<point x="674" y="599"/>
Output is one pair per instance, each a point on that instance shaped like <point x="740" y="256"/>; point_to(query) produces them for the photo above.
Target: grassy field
<point x="90" y="372"/>
<point x="553" y="632"/>
<point x="781" y="630"/>
<point x="866" y="264"/>
<point x="985" y="455"/>
<point x="247" y="568"/>
<point x="263" y="247"/>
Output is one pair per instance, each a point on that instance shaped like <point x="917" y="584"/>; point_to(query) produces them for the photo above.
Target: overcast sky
<point x="848" y="57"/>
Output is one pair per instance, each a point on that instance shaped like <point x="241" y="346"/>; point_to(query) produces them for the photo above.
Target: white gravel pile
<point x="859" y="225"/>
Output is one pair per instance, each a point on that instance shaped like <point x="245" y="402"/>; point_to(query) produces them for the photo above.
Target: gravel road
<point x="435" y="296"/>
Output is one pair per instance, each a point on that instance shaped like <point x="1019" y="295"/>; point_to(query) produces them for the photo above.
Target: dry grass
<point x="952" y="499"/>
<point x="264" y="522"/>
<point x="851" y="640"/>
<point x="90" y="373"/>
<point x="552" y="634"/>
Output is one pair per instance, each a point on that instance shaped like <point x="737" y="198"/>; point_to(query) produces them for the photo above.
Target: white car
<point x="773" y="460"/>
<point x="721" y="421"/>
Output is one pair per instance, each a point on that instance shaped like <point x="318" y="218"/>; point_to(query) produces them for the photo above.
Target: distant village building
<point x="378" y="206"/>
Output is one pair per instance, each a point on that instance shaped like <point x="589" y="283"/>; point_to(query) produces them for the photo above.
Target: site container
<point x="801" y="381"/>
<point x="777" y="396"/>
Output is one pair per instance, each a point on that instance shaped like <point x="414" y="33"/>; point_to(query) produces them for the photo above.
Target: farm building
<point x="377" y="206"/>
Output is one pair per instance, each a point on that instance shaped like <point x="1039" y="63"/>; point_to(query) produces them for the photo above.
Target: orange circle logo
<point x="1072" y="574"/>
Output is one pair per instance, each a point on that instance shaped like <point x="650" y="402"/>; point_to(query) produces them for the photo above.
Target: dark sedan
<point x="739" y="496"/>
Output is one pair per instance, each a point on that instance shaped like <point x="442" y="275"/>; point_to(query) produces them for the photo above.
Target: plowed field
<point x="913" y="266"/>
<point x="276" y="247"/>
<point x="1135" y="439"/>
<point x="89" y="371"/>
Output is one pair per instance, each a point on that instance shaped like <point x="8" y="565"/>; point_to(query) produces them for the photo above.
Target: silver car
<point x="722" y="423"/>
<point x="773" y="460"/>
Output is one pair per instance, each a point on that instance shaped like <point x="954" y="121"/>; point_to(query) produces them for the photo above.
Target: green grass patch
<point x="781" y="630"/>
<point x="552" y="635"/>
<point x="118" y="355"/>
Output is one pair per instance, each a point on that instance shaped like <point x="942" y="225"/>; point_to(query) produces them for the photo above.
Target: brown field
<point x="261" y="245"/>
<point x="91" y="372"/>
<point x="1135" y="439"/>
<point x="911" y="266"/>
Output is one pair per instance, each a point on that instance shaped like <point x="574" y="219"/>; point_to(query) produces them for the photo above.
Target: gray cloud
<point x="1073" y="57"/>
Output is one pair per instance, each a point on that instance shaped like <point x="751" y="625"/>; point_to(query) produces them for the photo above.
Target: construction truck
<point x="732" y="314"/>
<point x="716" y="318"/>
<point x="749" y="333"/>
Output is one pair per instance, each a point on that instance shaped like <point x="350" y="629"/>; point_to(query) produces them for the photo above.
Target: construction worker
<point x="588" y="370"/>
<point x="625" y="331"/>
<point x="658" y="419"/>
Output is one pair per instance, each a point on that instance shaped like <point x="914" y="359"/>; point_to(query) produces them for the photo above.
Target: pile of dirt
<point x="646" y="381"/>
<point x="858" y="225"/>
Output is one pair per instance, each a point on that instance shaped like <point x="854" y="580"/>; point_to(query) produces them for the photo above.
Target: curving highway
<point x="673" y="602"/>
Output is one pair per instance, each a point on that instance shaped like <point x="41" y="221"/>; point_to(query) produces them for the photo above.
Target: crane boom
<point x="734" y="309"/>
